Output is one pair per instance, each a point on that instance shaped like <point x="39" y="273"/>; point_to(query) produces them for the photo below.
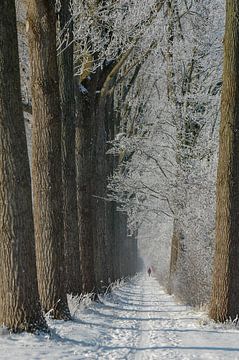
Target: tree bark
<point x="123" y="243"/>
<point x="175" y="250"/>
<point x="85" y="100"/>
<point x="70" y="216"/>
<point x="46" y="157"/>
<point x="91" y="181"/>
<point x="225" y="289"/>
<point x="102" y="254"/>
<point x="19" y="300"/>
<point x="111" y="205"/>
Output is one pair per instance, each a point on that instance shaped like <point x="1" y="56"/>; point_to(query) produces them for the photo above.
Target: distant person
<point x="149" y="271"/>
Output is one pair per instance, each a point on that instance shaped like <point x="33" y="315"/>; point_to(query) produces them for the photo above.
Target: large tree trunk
<point x="91" y="181"/>
<point x="71" y="233"/>
<point x="225" y="291"/>
<point x="85" y="101"/>
<point x="102" y="251"/>
<point x="46" y="157"/>
<point x="111" y="205"/>
<point x="19" y="300"/>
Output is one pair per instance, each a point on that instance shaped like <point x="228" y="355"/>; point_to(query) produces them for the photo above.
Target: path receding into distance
<point x="137" y="321"/>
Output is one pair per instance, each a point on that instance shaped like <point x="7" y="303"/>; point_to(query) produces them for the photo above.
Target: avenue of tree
<point x="117" y="125"/>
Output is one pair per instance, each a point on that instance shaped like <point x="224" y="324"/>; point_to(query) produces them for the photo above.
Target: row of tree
<point x="58" y="235"/>
<point x="171" y="178"/>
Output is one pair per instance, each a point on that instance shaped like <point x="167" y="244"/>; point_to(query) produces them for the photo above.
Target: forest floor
<point x="137" y="321"/>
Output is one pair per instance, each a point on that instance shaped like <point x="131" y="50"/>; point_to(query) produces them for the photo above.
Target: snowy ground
<point x="139" y="321"/>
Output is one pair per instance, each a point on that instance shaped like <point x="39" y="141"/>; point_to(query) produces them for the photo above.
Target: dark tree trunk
<point x="133" y="254"/>
<point x="225" y="290"/>
<point x="19" y="300"/>
<point x="70" y="216"/>
<point x="84" y="140"/>
<point x="102" y="254"/>
<point x="174" y="256"/>
<point x="92" y="181"/>
<point x="118" y="244"/>
<point x="111" y="205"/>
<point x="46" y="157"/>
<point x="123" y="243"/>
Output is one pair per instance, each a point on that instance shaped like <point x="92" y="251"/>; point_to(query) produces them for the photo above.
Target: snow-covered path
<point x="138" y="321"/>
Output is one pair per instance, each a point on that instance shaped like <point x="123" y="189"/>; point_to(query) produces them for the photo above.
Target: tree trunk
<point x="70" y="216"/>
<point x="116" y="243"/>
<point x="133" y="253"/>
<point x="177" y="119"/>
<point x="123" y="243"/>
<point x="111" y="205"/>
<point x="19" y="299"/>
<point x="225" y="290"/>
<point x="46" y="157"/>
<point x="175" y="247"/>
<point x="92" y="180"/>
<point x="102" y="251"/>
<point x="85" y="101"/>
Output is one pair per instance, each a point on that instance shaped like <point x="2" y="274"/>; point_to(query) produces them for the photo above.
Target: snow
<point x="137" y="321"/>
